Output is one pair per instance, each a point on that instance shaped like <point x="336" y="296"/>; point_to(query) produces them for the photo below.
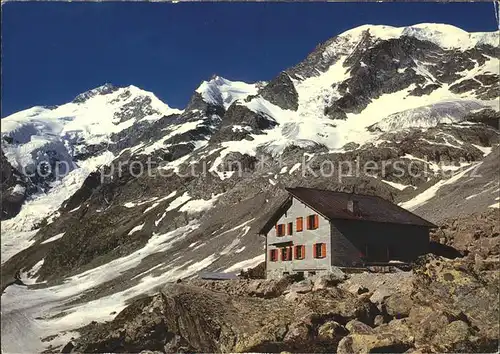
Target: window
<point x="300" y="252"/>
<point x="273" y="255"/>
<point x="280" y="230"/>
<point x="290" y="229"/>
<point x="312" y="222"/>
<point x="299" y="224"/>
<point x="286" y="253"/>
<point x="319" y="250"/>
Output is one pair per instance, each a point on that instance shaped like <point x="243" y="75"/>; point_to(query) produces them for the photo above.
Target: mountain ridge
<point x="101" y="234"/>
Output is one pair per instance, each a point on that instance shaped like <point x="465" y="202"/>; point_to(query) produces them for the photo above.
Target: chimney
<point x="353" y="206"/>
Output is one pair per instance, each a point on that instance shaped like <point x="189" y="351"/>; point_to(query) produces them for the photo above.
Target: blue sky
<point x="53" y="51"/>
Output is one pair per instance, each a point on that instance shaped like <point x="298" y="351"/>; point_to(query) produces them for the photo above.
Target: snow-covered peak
<point x="105" y="89"/>
<point x="444" y="35"/>
<point x="222" y="92"/>
<point x="97" y="112"/>
<point x="90" y="119"/>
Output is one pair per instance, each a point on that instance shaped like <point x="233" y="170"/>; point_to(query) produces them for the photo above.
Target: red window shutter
<point x="314" y="251"/>
<point x="308" y="223"/>
<point x="300" y="224"/>
<point x="280" y="230"/>
<point x="303" y="253"/>
<point x="323" y="250"/>
<point x="296" y="253"/>
<point x="316" y="221"/>
<point x="290" y="228"/>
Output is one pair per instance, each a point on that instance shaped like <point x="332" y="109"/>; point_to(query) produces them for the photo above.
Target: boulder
<point x="453" y="337"/>
<point x="268" y="288"/>
<point x="371" y="343"/>
<point x="425" y="323"/>
<point x="298" y="331"/>
<point x="378" y="320"/>
<point x="398" y="305"/>
<point x="330" y="279"/>
<point x="301" y="287"/>
<point x="355" y="326"/>
<point x="336" y="304"/>
<point x="330" y="330"/>
<point x="379" y="296"/>
<point x="257" y="272"/>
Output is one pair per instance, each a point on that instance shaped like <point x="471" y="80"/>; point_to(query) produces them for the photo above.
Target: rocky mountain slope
<point x="442" y="306"/>
<point x="148" y="194"/>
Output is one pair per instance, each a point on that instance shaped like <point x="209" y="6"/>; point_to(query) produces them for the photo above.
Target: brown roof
<point x="333" y="205"/>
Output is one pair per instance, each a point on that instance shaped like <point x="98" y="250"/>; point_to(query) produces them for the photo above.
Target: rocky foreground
<point x="442" y="305"/>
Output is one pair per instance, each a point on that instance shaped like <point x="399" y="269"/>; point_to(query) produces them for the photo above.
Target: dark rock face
<point x="236" y="161"/>
<point x="320" y="58"/>
<point x="81" y="195"/>
<point x="15" y="188"/>
<point x="11" y="202"/>
<point x="392" y="65"/>
<point x="86" y="151"/>
<point x="384" y="68"/>
<point x="138" y="108"/>
<point x="239" y="122"/>
<point x="424" y="90"/>
<point x="464" y="86"/>
<point x="281" y="92"/>
<point x="102" y="90"/>
<point x="485" y="116"/>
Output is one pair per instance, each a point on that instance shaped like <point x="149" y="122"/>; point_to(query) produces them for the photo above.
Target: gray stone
<point x="332" y="278"/>
<point x="301" y="287"/>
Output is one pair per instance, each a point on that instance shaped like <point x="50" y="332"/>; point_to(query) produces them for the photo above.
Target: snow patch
<point x="199" y="205"/>
<point x="249" y="263"/>
<point x="53" y="238"/>
<point x="136" y="228"/>
<point x="397" y="185"/>
<point x="430" y="192"/>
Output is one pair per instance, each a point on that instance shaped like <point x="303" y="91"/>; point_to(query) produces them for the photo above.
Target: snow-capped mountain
<point x="424" y="95"/>
<point x="221" y="92"/>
